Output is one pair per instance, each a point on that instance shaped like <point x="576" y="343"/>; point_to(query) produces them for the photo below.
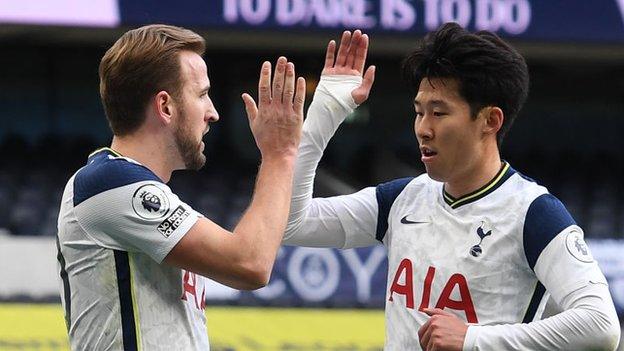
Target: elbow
<point x="256" y="281"/>
<point x="253" y="277"/>
<point x="607" y="335"/>
<point x="610" y="336"/>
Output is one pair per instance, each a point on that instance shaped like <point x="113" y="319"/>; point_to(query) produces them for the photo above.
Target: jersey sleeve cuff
<point x="471" y="337"/>
<point x="176" y="236"/>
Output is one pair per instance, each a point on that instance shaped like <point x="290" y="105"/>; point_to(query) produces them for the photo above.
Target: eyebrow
<point x="433" y="103"/>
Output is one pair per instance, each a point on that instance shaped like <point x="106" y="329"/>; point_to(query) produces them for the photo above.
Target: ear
<point x="493" y="119"/>
<point x="164" y="106"/>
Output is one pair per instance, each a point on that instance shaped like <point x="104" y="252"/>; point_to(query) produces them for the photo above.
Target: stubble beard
<point x="188" y="147"/>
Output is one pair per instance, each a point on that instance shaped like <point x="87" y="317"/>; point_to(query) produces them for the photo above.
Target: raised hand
<point x="277" y="119"/>
<point x="351" y="60"/>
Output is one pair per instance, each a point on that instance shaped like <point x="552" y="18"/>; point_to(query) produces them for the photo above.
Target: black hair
<point x="489" y="72"/>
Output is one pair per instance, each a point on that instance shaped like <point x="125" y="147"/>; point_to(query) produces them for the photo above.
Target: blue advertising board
<point x="531" y="20"/>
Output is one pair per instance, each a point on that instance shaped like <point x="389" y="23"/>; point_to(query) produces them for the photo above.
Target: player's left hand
<point x="351" y="60"/>
<point x="442" y="332"/>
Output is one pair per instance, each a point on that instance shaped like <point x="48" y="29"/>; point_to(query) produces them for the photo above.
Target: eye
<point x="439" y="114"/>
<point x="419" y="114"/>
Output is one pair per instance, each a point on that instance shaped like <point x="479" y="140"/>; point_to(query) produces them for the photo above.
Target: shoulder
<point x="104" y="172"/>
<point x="387" y="193"/>
<point x="392" y="189"/>
<point x="546" y="217"/>
<point x="546" y="212"/>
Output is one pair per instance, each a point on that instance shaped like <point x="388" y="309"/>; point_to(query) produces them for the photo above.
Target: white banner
<point x="89" y="13"/>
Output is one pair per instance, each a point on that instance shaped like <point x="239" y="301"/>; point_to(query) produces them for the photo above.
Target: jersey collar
<point x="108" y="150"/>
<point x="503" y="174"/>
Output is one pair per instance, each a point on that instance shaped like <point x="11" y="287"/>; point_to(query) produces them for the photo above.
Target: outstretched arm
<point x="343" y="221"/>
<point x="244" y="258"/>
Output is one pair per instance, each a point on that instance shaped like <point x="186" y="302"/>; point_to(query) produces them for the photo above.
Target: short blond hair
<point x="143" y="62"/>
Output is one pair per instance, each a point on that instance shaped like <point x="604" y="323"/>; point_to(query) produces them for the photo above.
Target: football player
<point x="475" y="248"/>
<point x="131" y="253"/>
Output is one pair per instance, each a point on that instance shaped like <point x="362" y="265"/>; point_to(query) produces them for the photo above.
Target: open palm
<point x="351" y="60"/>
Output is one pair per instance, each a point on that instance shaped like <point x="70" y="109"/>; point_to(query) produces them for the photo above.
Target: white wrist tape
<point x="332" y="103"/>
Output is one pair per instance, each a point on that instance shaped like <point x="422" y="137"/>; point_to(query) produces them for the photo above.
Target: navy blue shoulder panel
<point x="545" y="218"/>
<point x="386" y="194"/>
<point x="103" y="173"/>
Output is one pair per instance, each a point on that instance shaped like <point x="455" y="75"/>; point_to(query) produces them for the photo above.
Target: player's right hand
<point x="277" y="119"/>
<point x="351" y="60"/>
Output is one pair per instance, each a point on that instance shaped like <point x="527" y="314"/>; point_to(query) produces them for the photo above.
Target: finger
<point x="434" y="311"/>
<point x="278" y="79"/>
<point x="369" y="78"/>
<point x="423" y="329"/>
<point x="330" y="55"/>
<point x="250" y="106"/>
<point x="300" y="94"/>
<point x="353" y="46"/>
<point x="424" y="335"/>
<point x="289" y="84"/>
<point x="264" y="85"/>
<point x="360" y="94"/>
<point x="341" y="58"/>
<point x="360" y="55"/>
<point x="429" y="342"/>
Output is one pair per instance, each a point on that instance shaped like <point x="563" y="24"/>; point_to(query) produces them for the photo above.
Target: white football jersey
<point x="474" y="256"/>
<point x="492" y="257"/>
<point x="117" y="223"/>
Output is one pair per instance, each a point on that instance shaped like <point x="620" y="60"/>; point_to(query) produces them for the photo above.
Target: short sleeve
<point x="566" y="264"/>
<point x="556" y="250"/>
<point x="123" y="206"/>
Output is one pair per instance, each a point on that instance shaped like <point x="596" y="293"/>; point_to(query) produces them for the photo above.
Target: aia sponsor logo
<point x="405" y="270"/>
<point x="189" y="290"/>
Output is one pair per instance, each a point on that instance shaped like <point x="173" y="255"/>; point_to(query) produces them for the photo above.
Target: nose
<point x="212" y="116"/>
<point x="422" y="128"/>
<point x="211" y="113"/>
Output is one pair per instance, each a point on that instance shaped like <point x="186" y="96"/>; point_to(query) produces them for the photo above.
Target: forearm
<point x="261" y="228"/>
<point x="590" y="323"/>
<point x="344" y="221"/>
<point x="331" y="104"/>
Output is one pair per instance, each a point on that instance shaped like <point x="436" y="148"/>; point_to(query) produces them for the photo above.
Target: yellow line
<point x="106" y="148"/>
<point x="500" y="176"/>
<point x="450" y="199"/>
<point x="135" y="305"/>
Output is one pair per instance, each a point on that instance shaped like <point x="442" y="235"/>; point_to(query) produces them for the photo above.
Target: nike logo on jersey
<point x="406" y="220"/>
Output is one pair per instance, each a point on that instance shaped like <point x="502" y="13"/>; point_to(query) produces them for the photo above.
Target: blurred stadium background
<point x="568" y="137"/>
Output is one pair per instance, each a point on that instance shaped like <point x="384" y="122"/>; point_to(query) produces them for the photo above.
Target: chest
<point x="452" y="258"/>
<point x="470" y="237"/>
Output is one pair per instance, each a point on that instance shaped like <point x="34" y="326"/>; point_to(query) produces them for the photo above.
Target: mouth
<point x="202" y="137"/>
<point x="427" y="153"/>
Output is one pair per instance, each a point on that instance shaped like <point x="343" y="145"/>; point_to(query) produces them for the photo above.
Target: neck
<point x="149" y="151"/>
<point x="474" y="178"/>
